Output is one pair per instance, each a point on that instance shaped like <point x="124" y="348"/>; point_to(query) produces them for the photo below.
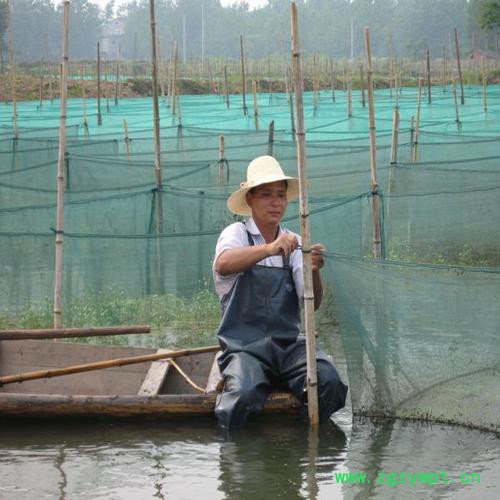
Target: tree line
<point x="204" y="28"/>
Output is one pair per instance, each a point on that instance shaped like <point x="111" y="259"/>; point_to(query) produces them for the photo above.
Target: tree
<point x="489" y="14"/>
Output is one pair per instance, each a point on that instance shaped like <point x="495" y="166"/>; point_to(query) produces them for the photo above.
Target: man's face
<point x="268" y="202"/>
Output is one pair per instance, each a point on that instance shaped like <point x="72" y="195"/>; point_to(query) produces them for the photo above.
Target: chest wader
<point x="258" y="332"/>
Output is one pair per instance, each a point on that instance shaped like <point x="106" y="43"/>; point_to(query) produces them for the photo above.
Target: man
<point x="258" y="277"/>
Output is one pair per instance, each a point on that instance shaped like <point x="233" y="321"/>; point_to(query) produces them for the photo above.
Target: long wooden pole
<point x="243" y="77"/>
<point x="65" y="333"/>
<point x="174" y="79"/>
<point x="457" y="48"/>
<point x="455" y="100"/>
<point x="255" y="105"/>
<point x="485" y="98"/>
<point x="312" y="376"/>
<point x="100" y="365"/>
<point x="414" y="156"/>
<point x="429" y="92"/>
<point x="13" y="78"/>
<point x="377" y="241"/>
<point x="270" y="139"/>
<point x="222" y="160"/>
<point x="99" y="116"/>
<point x="362" y="83"/>
<point x="61" y="163"/>
<point x="226" y="88"/>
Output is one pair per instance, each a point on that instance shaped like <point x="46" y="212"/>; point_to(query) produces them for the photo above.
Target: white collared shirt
<point x="235" y="236"/>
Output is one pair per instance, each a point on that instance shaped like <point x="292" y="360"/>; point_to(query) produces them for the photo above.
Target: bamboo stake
<point x="13" y="78"/>
<point x="84" y="105"/>
<point x="226" y="88"/>
<point x="349" y="96"/>
<point x="333" y="82"/>
<point x="117" y="82"/>
<point x="457" y="48"/>
<point x="255" y="105"/>
<point x="455" y="100"/>
<point x="99" y="116"/>
<point x="60" y="177"/>
<point x="243" y="78"/>
<point x="51" y="92"/>
<point x="362" y="80"/>
<point x="417" y="123"/>
<point x="377" y="242"/>
<point x="312" y="376"/>
<point x="127" y="140"/>
<point x="270" y="139"/>
<point x="485" y="99"/>
<point x="429" y="94"/>
<point x="174" y="79"/>
<point x="444" y="69"/>
<point x="158" y="169"/>
<point x="40" y="105"/>
<point x="107" y="88"/>
<point x="66" y="333"/>
<point x="222" y="160"/>
<point x="395" y="136"/>
<point x="100" y="365"/>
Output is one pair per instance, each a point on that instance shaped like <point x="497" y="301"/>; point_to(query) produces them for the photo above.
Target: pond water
<point x="275" y="457"/>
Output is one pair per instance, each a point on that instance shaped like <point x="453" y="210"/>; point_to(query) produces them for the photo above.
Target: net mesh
<point x="419" y="327"/>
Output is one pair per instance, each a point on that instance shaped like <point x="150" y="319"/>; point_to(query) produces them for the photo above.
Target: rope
<point x="185" y="376"/>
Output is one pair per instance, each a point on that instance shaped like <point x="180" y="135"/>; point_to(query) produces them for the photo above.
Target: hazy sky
<point x="252" y="3"/>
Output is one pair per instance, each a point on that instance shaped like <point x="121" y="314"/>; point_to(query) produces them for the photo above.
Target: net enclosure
<point x="419" y="327"/>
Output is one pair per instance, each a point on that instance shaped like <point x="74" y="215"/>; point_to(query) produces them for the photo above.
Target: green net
<point x="419" y="327"/>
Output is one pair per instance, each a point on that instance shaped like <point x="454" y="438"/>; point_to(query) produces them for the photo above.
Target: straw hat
<point x="262" y="170"/>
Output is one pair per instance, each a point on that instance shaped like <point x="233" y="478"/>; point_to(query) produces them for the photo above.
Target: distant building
<point x="111" y="38"/>
<point x="478" y="54"/>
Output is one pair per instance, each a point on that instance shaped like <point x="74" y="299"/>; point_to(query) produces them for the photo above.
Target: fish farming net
<point x="419" y="327"/>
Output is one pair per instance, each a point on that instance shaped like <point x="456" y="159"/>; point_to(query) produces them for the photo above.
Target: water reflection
<point x="278" y="458"/>
<point x="273" y="458"/>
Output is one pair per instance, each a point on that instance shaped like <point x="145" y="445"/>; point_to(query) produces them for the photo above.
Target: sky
<point x="252" y="3"/>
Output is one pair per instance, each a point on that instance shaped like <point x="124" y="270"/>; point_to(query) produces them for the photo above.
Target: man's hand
<point x="317" y="256"/>
<point x="285" y="244"/>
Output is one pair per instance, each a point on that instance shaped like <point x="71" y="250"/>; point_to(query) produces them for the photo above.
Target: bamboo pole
<point x="312" y="376"/>
<point x="84" y="105"/>
<point x="429" y="92"/>
<point x="100" y="365"/>
<point x="395" y="136"/>
<point x="333" y="82"/>
<point x="174" y="79"/>
<point x="362" y="83"/>
<point x="444" y="69"/>
<point x="485" y="98"/>
<point x="40" y="105"/>
<point x="455" y="100"/>
<point x="61" y="163"/>
<point x="99" y="115"/>
<point x="414" y="156"/>
<point x="270" y="139"/>
<point x="49" y="77"/>
<point x="349" y="95"/>
<point x="255" y="105"/>
<point x="66" y="333"/>
<point x="377" y="241"/>
<point x="222" y="159"/>
<point x="457" y="48"/>
<point x="158" y="169"/>
<point x="243" y="78"/>
<point x="226" y="88"/>
<point x="127" y="139"/>
<point x="117" y="82"/>
<point x="13" y="78"/>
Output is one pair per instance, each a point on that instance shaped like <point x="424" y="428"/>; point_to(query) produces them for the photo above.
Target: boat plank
<point x="155" y="377"/>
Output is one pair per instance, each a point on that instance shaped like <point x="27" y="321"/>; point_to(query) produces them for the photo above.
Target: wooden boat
<point x="154" y="389"/>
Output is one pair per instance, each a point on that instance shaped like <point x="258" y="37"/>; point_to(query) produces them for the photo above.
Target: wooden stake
<point x="61" y="163"/>
<point x="117" y="81"/>
<point x="226" y="87"/>
<point x="444" y="69"/>
<point x="84" y="105"/>
<point x="99" y="116"/>
<point x="222" y="160"/>
<point x="100" y="365"/>
<point x="455" y="100"/>
<point x="395" y="136"/>
<point x="312" y="376"/>
<point x="255" y="105"/>
<point x="349" y="95"/>
<point x="270" y="139"/>
<point x="362" y="80"/>
<point x="414" y="157"/>
<point x="429" y="94"/>
<point x="485" y="99"/>
<point x="174" y="79"/>
<point x="127" y="139"/>
<point x="377" y="241"/>
<point x="13" y="78"/>
<point x="457" y="48"/>
<point x="243" y="78"/>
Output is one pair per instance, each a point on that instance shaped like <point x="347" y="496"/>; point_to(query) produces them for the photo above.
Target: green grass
<point x="174" y="320"/>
